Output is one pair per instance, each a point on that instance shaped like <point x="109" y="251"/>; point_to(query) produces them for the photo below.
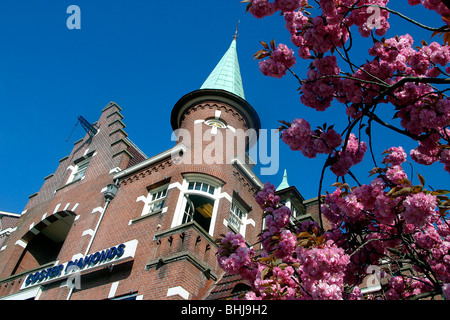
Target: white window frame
<point x="234" y="221"/>
<point x="161" y="195"/>
<point x="295" y="213"/>
<point x="79" y="170"/>
<point x="178" y="218"/>
<point x="199" y="185"/>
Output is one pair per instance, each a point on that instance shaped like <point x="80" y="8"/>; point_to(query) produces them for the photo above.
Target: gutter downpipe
<point x="108" y="196"/>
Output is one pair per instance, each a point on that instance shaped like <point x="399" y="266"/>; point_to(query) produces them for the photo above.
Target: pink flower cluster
<point x="322" y="33"/>
<point x="396" y="156"/>
<point x="266" y="198"/>
<point x="279" y="284"/>
<point x="430" y="151"/>
<point x="352" y="209"/>
<point x="263" y="8"/>
<point x="296" y="20"/>
<point x="395" y="59"/>
<point x="364" y="18"/>
<point x="417" y="209"/>
<point x="286" y="245"/>
<point x="395" y="174"/>
<point x="322" y="84"/>
<point x="278" y="63"/>
<point x="233" y="254"/>
<point x="402" y="287"/>
<point x="351" y="155"/>
<point x="277" y="218"/>
<point x="446" y="290"/>
<point x="315" y="272"/>
<point x="440" y="259"/>
<point x="300" y="137"/>
<point x="420" y="208"/>
<point x="322" y="271"/>
<point x="428" y="238"/>
<point x="371" y="208"/>
<point x="445" y="159"/>
<point x="421" y="110"/>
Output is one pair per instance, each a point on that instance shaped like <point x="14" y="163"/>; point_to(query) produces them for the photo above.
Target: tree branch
<point x="374" y="117"/>
<point x="440" y="29"/>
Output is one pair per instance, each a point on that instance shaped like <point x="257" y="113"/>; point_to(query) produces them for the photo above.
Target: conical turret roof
<point x="227" y="75"/>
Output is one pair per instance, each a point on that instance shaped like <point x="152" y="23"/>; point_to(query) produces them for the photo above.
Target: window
<point x="236" y="216"/>
<point x="156" y="198"/>
<point x="294" y="212"/>
<point x="198" y="201"/>
<point x="216" y="123"/>
<point x="79" y="170"/>
<point x="201" y="186"/>
<point x="198" y="208"/>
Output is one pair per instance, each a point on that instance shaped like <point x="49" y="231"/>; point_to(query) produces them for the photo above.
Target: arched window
<point x="198" y="201"/>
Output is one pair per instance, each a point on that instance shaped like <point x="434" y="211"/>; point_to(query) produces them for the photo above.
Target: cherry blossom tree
<point x="390" y="225"/>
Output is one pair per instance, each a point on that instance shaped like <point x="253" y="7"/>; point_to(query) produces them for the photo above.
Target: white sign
<point x="89" y="262"/>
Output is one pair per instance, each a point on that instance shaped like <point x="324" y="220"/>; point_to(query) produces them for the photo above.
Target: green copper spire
<point x="227" y="75"/>
<point x="284" y="184"/>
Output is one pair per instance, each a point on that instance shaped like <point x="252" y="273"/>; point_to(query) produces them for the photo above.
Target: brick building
<point x="8" y="222"/>
<point x="113" y="223"/>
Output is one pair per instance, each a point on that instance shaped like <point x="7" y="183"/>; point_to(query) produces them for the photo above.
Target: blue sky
<point x="145" y="55"/>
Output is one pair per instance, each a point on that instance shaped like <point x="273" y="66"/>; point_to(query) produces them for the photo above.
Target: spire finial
<point x="284" y="183"/>
<point x="236" y="33"/>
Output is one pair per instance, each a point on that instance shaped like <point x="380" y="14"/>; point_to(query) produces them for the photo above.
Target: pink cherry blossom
<point x="397" y="176"/>
<point x="396" y="156"/>
<point x="420" y="208"/>
<point x="266" y="197"/>
<point x="287" y="5"/>
<point x="352" y="155"/>
<point x="261" y="8"/>
<point x="428" y="238"/>
<point x="299" y="137"/>
<point x="278" y="63"/>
